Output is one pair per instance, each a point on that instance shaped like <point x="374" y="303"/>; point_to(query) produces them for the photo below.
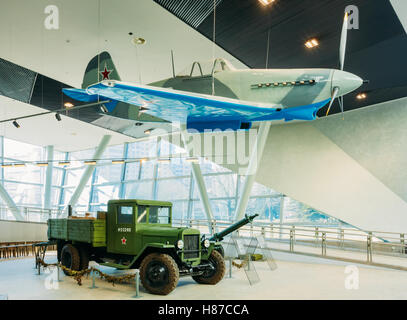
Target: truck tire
<point x="159" y="273"/>
<point x="70" y="258"/>
<point x="83" y="258"/>
<point x="60" y="245"/>
<point x="215" y="275"/>
<point x="220" y="250"/>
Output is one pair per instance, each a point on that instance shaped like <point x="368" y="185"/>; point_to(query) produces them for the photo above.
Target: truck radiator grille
<point x="191" y="246"/>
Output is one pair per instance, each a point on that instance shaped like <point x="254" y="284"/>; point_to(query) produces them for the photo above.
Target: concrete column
<point x="252" y="169"/>
<point x="89" y="170"/>
<point x="48" y="178"/>
<point x="200" y="183"/>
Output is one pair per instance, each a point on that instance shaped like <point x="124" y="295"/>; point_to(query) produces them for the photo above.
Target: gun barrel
<point x="220" y="235"/>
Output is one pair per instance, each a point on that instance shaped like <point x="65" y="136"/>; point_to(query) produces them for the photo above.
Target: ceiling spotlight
<point x="143" y="160"/>
<point x="68" y="105"/>
<point x="15" y="123"/>
<point x="103" y="109"/>
<point x="361" y="96"/>
<point x="266" y="2"/>
<point x="138" y="41"/>
<point x="147" y="132"/>
<point x="58" y="116"/>
<point x="312" y="43"/>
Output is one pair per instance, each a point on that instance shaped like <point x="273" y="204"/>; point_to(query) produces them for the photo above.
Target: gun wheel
<point x="216" y="273"/>
<point x="70" y="258"/>
<point x="159" y="273"/>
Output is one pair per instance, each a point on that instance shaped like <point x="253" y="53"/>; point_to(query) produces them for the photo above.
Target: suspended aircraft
<point x="215" y="95"/>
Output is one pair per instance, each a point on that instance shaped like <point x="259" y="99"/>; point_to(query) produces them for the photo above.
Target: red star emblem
<point x="124" y="240"/>
<point x="106" y="73"/>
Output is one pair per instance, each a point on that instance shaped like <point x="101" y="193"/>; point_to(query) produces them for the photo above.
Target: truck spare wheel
<point x="70" y="258"/>
<point x="159" y="273"/>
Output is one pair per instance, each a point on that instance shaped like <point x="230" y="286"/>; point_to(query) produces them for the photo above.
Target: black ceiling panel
<point x="376" y="52"/>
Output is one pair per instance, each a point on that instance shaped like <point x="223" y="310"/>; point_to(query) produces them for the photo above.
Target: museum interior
<point x="186" y="150"/>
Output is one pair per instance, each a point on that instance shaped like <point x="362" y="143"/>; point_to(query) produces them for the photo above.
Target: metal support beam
<point x="48" y="178"/>
<point x="89" y="170"/>
<point x="123" y="172"/>
<point x="10" y="203"/>
<point x="282" y="201"/>
<point x="200" y="183"/>
<point x="252" y="169"/>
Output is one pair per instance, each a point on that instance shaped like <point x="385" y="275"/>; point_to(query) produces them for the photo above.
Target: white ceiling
<point x="66" y="135"/>
<point x="64" y="54"/>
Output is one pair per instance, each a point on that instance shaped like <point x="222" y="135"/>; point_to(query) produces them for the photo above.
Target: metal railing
<point x="334" y="242"/>
<point x="379" y="248"/>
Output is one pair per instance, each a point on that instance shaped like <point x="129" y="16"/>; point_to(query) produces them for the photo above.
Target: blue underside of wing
<point x="185" y="108"/>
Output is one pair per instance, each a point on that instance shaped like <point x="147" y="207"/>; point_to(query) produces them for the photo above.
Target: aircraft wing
<point x="198" y="111"/>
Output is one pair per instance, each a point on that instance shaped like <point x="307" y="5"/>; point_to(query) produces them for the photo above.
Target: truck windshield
<point x="160" y="215"/>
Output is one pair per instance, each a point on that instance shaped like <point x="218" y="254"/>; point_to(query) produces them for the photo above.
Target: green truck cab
<point x="139" y="234"/>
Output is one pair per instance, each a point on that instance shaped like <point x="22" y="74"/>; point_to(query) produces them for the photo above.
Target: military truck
<point x="139" y="234"/>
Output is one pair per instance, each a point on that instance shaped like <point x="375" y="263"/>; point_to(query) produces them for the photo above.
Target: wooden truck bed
<point x="91" y="231"/>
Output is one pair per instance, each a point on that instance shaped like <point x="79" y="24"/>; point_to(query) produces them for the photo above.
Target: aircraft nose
<point x="345" y="81"/>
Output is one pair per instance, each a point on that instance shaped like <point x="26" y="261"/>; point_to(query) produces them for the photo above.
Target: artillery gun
<point x="139" y="234"/>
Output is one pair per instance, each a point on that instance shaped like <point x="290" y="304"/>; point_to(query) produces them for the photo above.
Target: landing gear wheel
<point x="84" y="258"/>
<point x="70" y="258"/>
<point x="214" y="275"/>
<point x="159" y="273"/>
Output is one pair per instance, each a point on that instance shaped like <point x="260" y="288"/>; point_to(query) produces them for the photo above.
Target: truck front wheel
<point x="214" y="274"/>
<point x="70" y="258"/>
<point x="159" y="273"/>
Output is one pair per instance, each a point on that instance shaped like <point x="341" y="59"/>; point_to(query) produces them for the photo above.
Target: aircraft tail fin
<point x="100" y="68"/>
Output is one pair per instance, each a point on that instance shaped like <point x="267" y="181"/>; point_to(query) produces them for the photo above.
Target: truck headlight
<point x="206" y="243"/>
<point x="180" y="244"/>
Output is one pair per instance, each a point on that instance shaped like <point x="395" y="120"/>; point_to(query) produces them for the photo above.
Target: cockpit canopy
<point x="206" y="68"/>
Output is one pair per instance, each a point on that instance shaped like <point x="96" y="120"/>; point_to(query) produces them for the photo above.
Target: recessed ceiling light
<point x="266" y="2"/>
<point x="147" y="132"/>
<point x="68" y="105"/>
<point x="6" y="165"/>
<point x="312" y="43"/>
<point x="165" y="160"/>
<point x="90" y="162"/>
<point x="64" y="163"/>
<point x="138" y="41"/>
<point x="117" y="161"/>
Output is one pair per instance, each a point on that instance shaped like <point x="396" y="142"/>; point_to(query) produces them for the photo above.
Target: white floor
<point x="297" y="277"/>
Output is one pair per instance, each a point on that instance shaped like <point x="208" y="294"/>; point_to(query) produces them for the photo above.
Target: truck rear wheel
<point x="214" y="275"/>
<point x="70" y="258"/>
<point x="159" y="273"/>
<point x="84" y="258"/>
